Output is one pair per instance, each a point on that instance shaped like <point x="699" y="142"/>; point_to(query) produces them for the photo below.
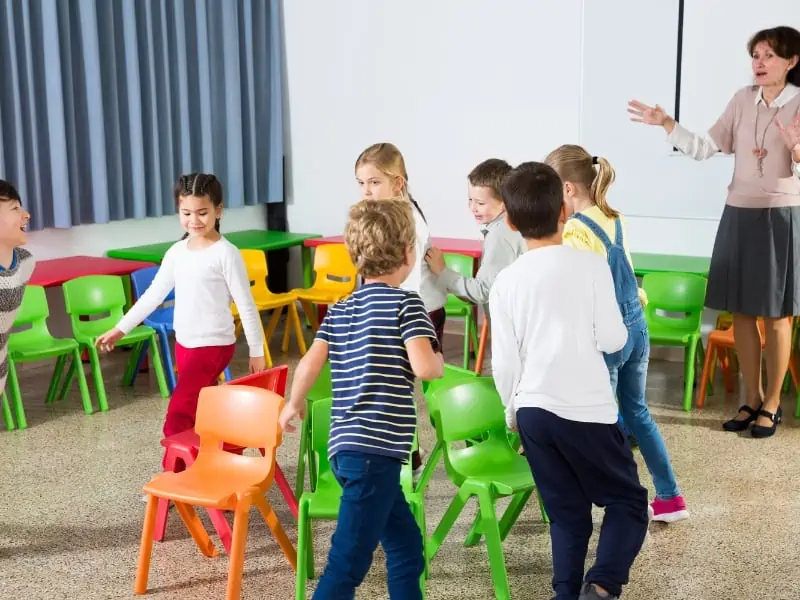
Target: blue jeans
<point x="628" y="370"/>
<point x="373" y="510"/>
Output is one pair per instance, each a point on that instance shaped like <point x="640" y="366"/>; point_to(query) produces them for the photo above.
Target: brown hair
<point x="785" y="42"/>
<point x="377" y="235"/>
<point x="490" y="174"/>
<point x="575" y="165"/>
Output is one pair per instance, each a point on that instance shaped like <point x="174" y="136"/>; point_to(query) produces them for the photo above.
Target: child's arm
<point x="153" y="297"/>
<point x="308" y="369"/>
<point x="609" y="329"/>
<point x="506" y="362"/>
<point x="235" y="274"/>
<point x="418" y="334"/>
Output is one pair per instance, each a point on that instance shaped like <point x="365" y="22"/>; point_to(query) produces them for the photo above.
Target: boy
<point x="16" y="266"/>
<point x="378" y="339"/>
<point x="554" y="313"/>
<point x="501" y="244"/>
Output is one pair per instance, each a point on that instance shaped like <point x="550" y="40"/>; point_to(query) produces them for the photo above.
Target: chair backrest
<point x="241" y="415"/>
<point x="460" y="263"/>
<point x="682" y="294"/>
<point x="273" y="380"/>
<point x="320" y="432"/>
<point x="94" y="295"/>
<point x="452" y="374"/>
<point x="323" y="387"/>
<point x="334" y="270"/>
<point x="34" y="312"/>
<point x="255" y="261"/>
<point x="143" y="279"/>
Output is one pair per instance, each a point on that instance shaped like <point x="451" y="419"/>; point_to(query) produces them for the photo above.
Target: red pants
<point x="197" y="368"/>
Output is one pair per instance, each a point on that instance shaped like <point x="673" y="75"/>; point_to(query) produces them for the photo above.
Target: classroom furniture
<point x="484" y="340"/>
<point x="473" y="248"/>
<point x="324" y="501"/>
<point x="247" y="417"/>
<point x="181" y="449"/>
<point x="335" y="278"/>
<point x="321" y="389"/>
<point x="674" y="315"/>
<point x="93" y="295"/>
<point x="36" y="343"/>
<point x="456" y="307"/>
<point x="488" y="468"/>
<point x="5" y="410"/>
<point x="251" y="239"/>
<point x="644" y="263"/>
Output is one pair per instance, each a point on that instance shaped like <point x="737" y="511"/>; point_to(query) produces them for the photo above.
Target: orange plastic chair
<point x="256" y="263"/>
<point x="335" y="279"/>
<point x="241" y="415"/>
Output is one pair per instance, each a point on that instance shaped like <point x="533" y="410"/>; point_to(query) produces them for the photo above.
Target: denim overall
<point x="628" y="367"/>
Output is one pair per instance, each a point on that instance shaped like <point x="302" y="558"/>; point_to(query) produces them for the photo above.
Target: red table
<point x="473" y="248"/>
<point x="57" y="271"/>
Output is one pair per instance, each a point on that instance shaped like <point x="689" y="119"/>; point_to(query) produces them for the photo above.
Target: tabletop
<point x="57" y="271"/>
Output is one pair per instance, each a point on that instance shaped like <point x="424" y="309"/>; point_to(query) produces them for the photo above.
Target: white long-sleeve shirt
<point x="421" y="279"/>
<point x="553" y="314"/>
<point x="205" y="281"/>
<point x="702" y="147"/>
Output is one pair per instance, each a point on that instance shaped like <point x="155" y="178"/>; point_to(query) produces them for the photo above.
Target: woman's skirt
<point x="754" y="262"/>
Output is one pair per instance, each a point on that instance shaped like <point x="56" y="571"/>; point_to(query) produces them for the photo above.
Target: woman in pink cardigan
<point x="757" y="246"/>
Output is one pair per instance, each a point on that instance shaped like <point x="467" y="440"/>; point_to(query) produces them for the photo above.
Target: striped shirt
<point x="373" y="384"/>
<point x="12" y="288"/>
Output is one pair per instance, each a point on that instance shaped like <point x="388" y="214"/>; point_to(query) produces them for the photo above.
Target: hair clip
<point x="594" y="160"/>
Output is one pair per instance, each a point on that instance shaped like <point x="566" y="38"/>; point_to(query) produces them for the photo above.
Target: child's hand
<point x="108" y="340"/>
<point x="289" y="412"/>
<point x="435" y="260"/>
<point x="258" y="364"/>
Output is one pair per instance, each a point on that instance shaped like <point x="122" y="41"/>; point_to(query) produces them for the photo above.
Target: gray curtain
<point x="104" y="103"/>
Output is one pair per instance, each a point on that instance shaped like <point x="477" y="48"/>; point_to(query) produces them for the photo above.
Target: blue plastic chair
<point x="161" y="320"/>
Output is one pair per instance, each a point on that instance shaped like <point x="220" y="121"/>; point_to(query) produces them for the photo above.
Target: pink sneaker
<point x="669" y="511"/>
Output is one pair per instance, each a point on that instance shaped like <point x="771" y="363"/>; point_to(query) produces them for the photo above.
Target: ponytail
<point x="599" y="188"/>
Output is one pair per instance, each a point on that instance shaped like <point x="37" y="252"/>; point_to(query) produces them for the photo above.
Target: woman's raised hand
<point x="650" y="115"/>
<point x="790" y="133"/>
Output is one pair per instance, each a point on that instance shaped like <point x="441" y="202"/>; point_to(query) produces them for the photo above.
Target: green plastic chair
<point x="8" y="421"/>
<point x="36" y="343"/>
<point x="94" y="295"/>
<point x="323" y="502"/>
<point x="488" y="469"/>
<point x="456" y="307"/>
<point x="322" y="388"/>
<point x="682" y="294"/>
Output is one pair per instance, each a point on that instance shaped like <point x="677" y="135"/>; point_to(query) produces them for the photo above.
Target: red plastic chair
<point x="180" y="451"/>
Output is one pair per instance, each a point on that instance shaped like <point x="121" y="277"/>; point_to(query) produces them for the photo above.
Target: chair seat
<point x="163" y="317"/>
<point x="323" y="502"/>
<point x="456" y="307"/>
<point x="504" y="467"/>
<point x="318" y="295"/>
<point x="267" y="301"/>
<point x="40" y="348"/>
<point x="672" y="336"/>
<point x="91" y="330"/>
<point x="187" y="440"/>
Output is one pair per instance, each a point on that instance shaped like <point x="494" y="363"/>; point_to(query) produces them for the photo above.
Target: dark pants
<point x="373" y="510"/>
<point x="576" y="465"/>
<point x="438" y="317"/>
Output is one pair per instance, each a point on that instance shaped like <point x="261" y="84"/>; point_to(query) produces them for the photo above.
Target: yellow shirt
<point x="579" y="236"/>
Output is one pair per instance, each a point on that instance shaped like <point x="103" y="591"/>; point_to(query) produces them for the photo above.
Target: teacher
<point x="754" y="266"/>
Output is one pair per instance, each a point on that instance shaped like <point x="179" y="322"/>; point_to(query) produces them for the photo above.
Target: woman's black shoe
<point x="741" y="425"/>
<point x="759" y="431"/>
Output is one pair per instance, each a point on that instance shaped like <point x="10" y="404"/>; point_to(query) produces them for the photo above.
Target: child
<point x="378" y="339"/>
<point x="501" y="244"/>
<point x="207" y="272"/>
<point x="381" y="173"/>
<point x="593" y="226"/>
<point x="16" y="266"/>
<point x="547" y="361"/>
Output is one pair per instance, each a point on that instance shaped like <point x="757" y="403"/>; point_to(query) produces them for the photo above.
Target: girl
<point x="597" y="227"/>
<point x="207" y="272"/>
<point x="381" y="174"/>
<point x="758" y="240"/>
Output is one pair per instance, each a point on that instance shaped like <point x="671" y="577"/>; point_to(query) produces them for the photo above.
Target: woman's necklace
<point x="759" y="151"/>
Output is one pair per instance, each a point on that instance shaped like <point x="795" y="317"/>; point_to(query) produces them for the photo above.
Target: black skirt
<point x="753" y="264"/>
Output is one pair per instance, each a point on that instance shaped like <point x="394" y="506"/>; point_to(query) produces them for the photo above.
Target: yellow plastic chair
<point x="335" y="279"/>
<point x="255" y="262"/>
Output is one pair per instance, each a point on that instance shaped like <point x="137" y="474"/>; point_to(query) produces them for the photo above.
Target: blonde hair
<point x="575" y="165"/>
<point x="378" y="234"/>
<point x="388" y="160"/>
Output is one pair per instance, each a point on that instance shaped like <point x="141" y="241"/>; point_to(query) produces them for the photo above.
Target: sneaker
<point x="669" y="511"/>
<point x="591" y="592"/>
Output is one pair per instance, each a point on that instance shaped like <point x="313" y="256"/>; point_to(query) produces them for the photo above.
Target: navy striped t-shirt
<point x="373" y="384"/>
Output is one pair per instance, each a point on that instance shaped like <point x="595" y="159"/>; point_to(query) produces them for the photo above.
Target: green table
<point x="252" y="239"/>
<point x="669" y="263"/>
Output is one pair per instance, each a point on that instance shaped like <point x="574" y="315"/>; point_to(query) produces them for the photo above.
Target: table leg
<point x="126" y="284"/>
<point x="308" y="270"/>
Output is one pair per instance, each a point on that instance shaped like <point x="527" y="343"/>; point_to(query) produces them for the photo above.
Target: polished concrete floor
<point x="71" y="509"/>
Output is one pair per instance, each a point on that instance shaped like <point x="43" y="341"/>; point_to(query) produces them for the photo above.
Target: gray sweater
<point x="501" y="247"/>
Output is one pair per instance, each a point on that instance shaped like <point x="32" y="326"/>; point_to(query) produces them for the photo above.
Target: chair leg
<point x="196" y="529"/>
<point x="302" y="454"/>
<point x="158" y="367"/>
<point x="8" y="420"/>
<point x="241" y="520"/>
<point x="446" y="524"/>
<point x="689" y="361"/>
<point x="512" y="513"/>
<point x="145" y="547"/>
<point x="77" y="367"/>
<point x="16" y="394"/>
<point x="494" y="545"/>
<point x="303" y="538"/>
<point x="166" y="358"/>
<point x="55" y="379"/>
<point x="429" y="468"/>
<point x="298" y="328"/>
<point x="286" y="490"/>
<point x="467" y="338"/>
<point x="223" y="529"/>
<point x="272" y="325"/>
<point x="482" y="345"/>
<point x="276" y="528"/>
<point x="711" y="350"/>
<point x="133" y="364"/>
<point x="311" y="314"/>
